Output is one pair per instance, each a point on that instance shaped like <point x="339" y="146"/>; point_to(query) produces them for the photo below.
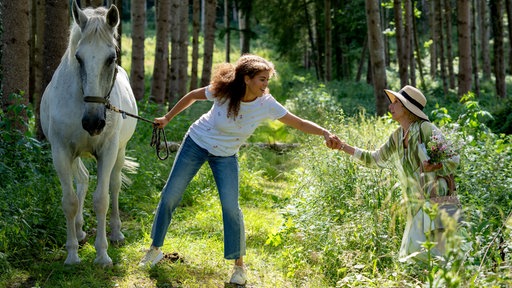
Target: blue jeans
<point x="225" y="170"/>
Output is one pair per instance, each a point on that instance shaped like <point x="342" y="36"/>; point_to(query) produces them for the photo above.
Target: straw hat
<point x="412" y="99"/>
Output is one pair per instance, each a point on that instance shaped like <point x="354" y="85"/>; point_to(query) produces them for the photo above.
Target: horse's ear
<point x="79" y="15"/>
<point x="113" y="16"/>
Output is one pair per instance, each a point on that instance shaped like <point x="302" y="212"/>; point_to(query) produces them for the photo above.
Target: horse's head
<point x="96" y="58"/>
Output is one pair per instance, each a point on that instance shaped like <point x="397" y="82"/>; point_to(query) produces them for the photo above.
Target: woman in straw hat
<point x="418" y="176"/>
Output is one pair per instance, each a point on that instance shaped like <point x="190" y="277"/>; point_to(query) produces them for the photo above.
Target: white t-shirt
<point x="223" y="136"/>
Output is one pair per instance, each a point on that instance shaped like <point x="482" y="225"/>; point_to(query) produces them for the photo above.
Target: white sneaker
<point x="239" y="275"/>
<point x="152" y="257"/>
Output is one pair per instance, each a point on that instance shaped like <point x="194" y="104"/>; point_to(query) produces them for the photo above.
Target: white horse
<point x="77" y="123"/>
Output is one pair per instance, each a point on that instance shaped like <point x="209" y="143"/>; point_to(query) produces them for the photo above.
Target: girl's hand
<point x="160" y="122"/>
<point x="429" y="167"/>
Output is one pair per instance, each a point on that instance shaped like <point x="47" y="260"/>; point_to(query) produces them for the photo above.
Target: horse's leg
<point x="100" y="198"/>
<point x="116" y="235"/>
<point x="63" y="165"/>
<point x="81" y="175"/>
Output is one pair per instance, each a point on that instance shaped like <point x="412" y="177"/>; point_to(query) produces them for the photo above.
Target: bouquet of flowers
<point x="439" y="149"/>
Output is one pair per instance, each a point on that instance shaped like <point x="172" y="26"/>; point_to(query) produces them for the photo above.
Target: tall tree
<point x="209" y="40"/>
<point x="227" y="35"/>
<point x="483" y="23"/>
<point x="36" y="60"/>
<point x="174" y="66"/>
<point x="400" y="47"/>
<point x="449" y="50"/>
<point x="56" y="27"/>
<point x="376" y="47"/>
<point x="196" y="11"/>
<point x="474" y="47"/>
<point x="434" y="35"/>
<point x="440" y="43"/>
<point x="508" y="4"/>
<point x="464" y="39"/>
<point x="183" y="42"/>
<point x="15" y="54"/>
<point x="138" y="12"/>
<point x="328" y="40"/>
<point x="244" y="24"/>
<point x="409" y="41"/>
<point x="158" y="85"/>
<point x="496" y="10"/>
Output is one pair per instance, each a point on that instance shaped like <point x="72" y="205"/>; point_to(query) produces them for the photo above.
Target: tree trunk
<point x="464" y="38"/>
<point x="36" y="64"/>
<point x="474" y="49"/>
<point x="409" y="41"/>
<point x="328" y="41"/>
<point x="209" y="40"/>
<point x="312" y="40"/>
<point x="434" y="32"/>
<point x="449" y="50"/>
<point x="158" y="85"/>
<point x="244" y="23"/>
<point x="401" y="54"/>
<point x="227" y="35"/>
<point x="508" y="4"/>
<point x="496" y="8"/>
<point x="484" y="39"/>
<point x="442" y="60"/>
<point x="183" y="42"/>
<point x="376" y="47"/>
<point x="174" y="66"/>
<point x="196" y="12"/>
<point x="138" y="11"/>
<point x="15" y="57"/>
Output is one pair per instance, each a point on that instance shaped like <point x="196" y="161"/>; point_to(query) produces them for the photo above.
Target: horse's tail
<point x="130" y="167"/>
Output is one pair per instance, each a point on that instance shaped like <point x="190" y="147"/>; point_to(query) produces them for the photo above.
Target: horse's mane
<point x="96" y="28"/>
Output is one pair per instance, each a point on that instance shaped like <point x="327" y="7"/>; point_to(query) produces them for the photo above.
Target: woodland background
<point x="314" y="217"/>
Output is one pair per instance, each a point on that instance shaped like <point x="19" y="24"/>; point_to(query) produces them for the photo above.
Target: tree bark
<point x="36" y="62"/>
<point x="376" y="47"/>
<point x="409" y="41"/>
<point x="496" y="9"/>
<point x="138" y="11"/>
<point x="474" y="49"/>
<point x="401" y="54"/>
<point x="158" y="85"/>
<point x="508" y="4"/>
<point x="15" y="57"/>
<point x="449" y="50"/>
<point x="183" y="42"/>
<point x="209" y="40"/>
<point x="464" y="37"/>
<point x="328" y="41"/>
<point x="196" y="11"/>
<point x="484" y="39"/>
<point x="174" y="66"/>
<point x="227" y="35"/>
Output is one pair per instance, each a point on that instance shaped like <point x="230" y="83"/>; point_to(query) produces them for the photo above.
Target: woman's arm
<point x="309" y="127"/>
<point x="183" y="103"/>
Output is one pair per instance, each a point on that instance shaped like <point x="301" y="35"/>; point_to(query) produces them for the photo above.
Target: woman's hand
<point x="332" y="141"/>
<point x="429" y="167"/>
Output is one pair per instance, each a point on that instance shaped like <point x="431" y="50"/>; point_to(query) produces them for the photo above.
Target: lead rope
<point x="157" y="132"/>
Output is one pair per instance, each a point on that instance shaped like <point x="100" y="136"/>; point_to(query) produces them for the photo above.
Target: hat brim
<point x="408" y="105"/>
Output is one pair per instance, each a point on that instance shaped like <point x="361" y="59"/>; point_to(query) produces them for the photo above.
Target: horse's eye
<point x="110" y="60"/>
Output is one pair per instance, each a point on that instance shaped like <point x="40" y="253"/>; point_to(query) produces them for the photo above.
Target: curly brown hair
<point x="228" y="82"/>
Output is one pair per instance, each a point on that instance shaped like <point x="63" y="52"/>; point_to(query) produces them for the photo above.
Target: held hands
<point x="332" y="141"/>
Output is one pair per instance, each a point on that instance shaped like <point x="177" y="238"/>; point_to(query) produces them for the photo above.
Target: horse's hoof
<point x="72" y="260"/>
<point x="104" y="262"/>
